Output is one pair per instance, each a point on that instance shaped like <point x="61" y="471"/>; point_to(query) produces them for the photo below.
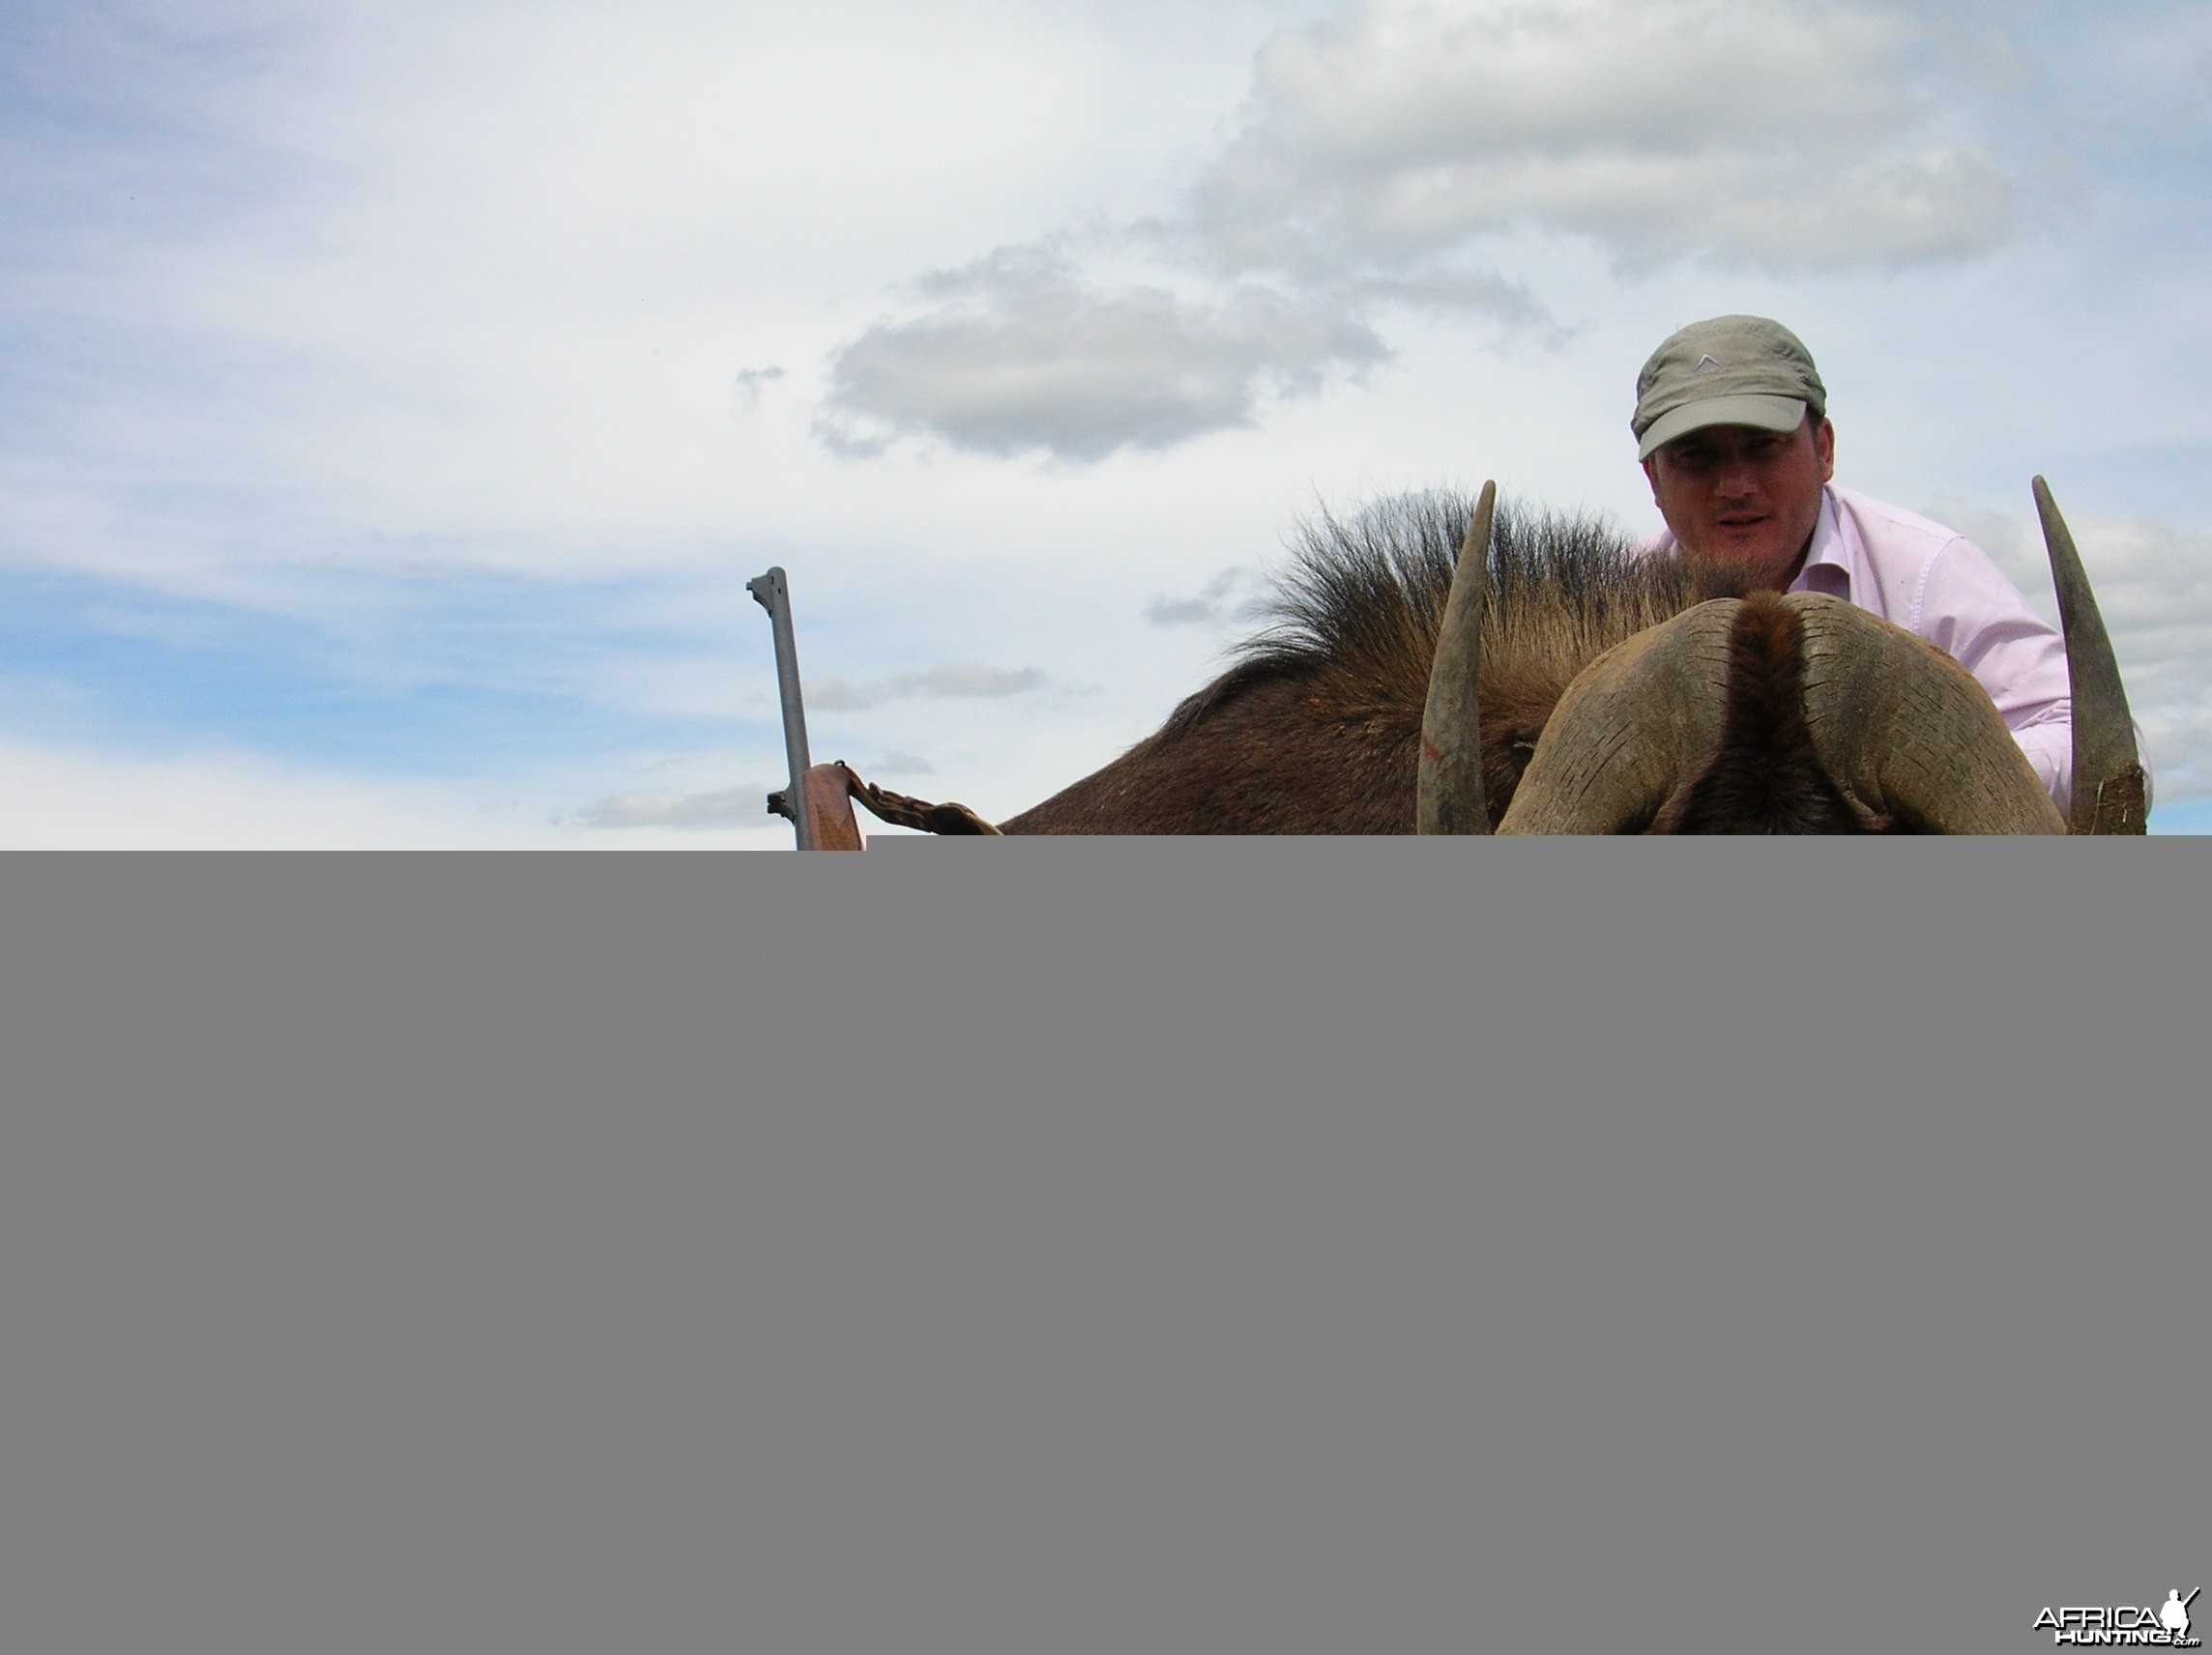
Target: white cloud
<point x="1209" y="606"/>
<point x="962" y="679"/>
<point x="1377" y="151"/>
<point x="1481" y="292"/>
<point x="1023" y="355"/>
<point x="1760" y="132"/>
<point x="750" y="384"/>
<point x="65" y="798"/>
<point x="62" y="799"/>
<point x="2154" y="589"/>
<point x="496" y="275"/>
<point x="744" y="807"/>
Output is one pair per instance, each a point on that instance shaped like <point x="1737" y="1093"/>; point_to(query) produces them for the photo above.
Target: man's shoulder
<point x="1934" y="581"/>
<point x="1890" y="533"/>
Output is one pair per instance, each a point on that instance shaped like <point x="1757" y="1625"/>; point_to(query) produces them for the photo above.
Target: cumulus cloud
<point x="1211" y="604"/>
<point x="896" y="763"/>
<point x="750" y="384"/>
<point x="1479" y="292"/>
<point x="1381" y="150"/>
<point x="958" y="679"/>
<point x="1763" y="132"/>
<point x="1019" y="355"/>
<point x="2154" y="589"/>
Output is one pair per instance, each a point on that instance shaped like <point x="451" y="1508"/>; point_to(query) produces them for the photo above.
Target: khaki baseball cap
<point x="1733" y="370"/>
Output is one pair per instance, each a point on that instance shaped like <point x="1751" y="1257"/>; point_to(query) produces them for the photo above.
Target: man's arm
<point x="1972" y="613"/>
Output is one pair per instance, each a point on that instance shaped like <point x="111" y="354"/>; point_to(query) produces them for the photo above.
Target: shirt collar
<point x="1828" y="564"/>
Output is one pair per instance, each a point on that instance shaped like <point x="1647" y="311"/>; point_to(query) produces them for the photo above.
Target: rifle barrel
<point x="772" y="591"/>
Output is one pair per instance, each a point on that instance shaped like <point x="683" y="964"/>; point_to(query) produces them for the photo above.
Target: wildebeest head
<point x="1537" y="674"/>
<point x="1778" y="715"/>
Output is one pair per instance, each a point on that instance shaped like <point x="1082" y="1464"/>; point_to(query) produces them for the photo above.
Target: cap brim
<point x="1763" y="413"/>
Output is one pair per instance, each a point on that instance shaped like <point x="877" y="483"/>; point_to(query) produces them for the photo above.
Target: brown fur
<point x="1316" y="726"/>
<point x="1767" y="777"/>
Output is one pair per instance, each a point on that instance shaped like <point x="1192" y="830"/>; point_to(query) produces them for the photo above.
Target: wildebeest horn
<point x="1901" y="731"/>
<point x="1638" y="724"/>
<point x="2109" y="795"/>
<point x="1449" y="793"/>
<point x="1906" y="733"/>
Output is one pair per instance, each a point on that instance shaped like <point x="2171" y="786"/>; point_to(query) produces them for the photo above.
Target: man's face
<point x="1749" y="496"/>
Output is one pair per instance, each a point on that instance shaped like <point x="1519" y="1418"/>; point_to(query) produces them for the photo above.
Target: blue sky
<point x="396" y="398"/>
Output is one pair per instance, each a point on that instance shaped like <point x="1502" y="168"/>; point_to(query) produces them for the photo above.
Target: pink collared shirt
<point x="1939" y="586"/>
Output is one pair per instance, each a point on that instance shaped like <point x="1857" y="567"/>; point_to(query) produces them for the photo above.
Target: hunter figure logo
<point x="2108" y="1625"/>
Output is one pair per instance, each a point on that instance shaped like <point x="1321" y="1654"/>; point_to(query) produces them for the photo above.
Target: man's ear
<point x="1824" y="445"/>
<point x="1651" y="476"/>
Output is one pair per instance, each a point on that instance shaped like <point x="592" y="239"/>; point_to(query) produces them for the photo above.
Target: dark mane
<point x="1317" y="717"/>
<point x="1362" y="597"/>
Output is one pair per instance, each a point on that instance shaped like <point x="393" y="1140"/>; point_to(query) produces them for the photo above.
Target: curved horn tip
<point x="1479" y="525"/>
<point x="2108" y="791"/>
<point x="1448" y="795"/>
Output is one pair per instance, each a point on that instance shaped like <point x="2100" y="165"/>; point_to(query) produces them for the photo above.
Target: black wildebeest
<point x="1548" y="679"/>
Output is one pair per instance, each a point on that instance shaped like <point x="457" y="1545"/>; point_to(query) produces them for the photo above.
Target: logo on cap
<point x="1705" y="365"/>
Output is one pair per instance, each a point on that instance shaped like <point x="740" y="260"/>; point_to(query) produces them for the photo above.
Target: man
<point x="1733" y="429"/>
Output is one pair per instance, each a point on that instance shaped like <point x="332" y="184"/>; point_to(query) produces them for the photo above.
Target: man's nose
<point x="1739" y="476"/>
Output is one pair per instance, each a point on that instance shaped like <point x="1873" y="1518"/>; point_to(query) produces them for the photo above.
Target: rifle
<point x="772" y="593"/>
<point x="819" y="800"/>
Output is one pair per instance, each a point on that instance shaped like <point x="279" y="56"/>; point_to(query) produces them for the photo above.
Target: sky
<point x="396" y="398"/>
